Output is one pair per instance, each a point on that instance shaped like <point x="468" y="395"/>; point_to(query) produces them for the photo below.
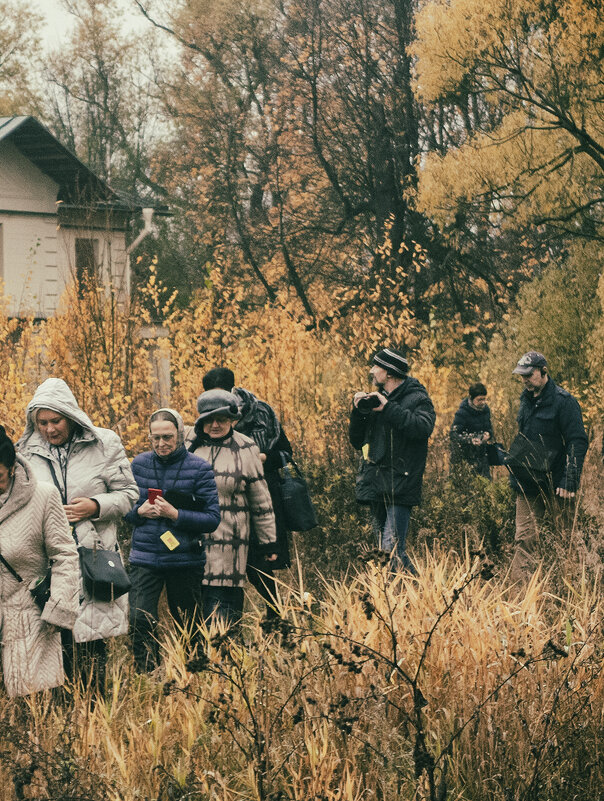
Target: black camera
<point x="368" y="403"/>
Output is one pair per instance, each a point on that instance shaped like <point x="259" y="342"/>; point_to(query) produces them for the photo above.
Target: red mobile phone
<point x="153" y="494"/>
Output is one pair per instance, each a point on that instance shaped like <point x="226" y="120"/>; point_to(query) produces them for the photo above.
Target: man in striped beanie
<point x="391" y="427"/>
<point x="392" y="361"/>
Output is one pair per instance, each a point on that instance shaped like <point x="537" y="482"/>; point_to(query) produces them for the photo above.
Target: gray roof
<point x="78" y="185"/>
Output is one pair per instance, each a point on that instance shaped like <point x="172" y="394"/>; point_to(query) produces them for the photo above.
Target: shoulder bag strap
<point x="62" y="493"/>
<point x="10" y="568"/>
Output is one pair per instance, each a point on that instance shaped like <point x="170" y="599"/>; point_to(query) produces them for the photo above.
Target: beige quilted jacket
<point x="34" y="529"/>
<point x="97" y="468"/>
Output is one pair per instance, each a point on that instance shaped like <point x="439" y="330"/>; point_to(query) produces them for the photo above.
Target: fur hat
<point x="216" y="402"/>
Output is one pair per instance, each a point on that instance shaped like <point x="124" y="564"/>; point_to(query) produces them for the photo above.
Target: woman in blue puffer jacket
<point x="178" y="504"/>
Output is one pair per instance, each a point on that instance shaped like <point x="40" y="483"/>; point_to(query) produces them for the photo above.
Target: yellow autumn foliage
<point x="527" y="77"/>
<point x="307" y="373"/>
<point x="455" y="36"/>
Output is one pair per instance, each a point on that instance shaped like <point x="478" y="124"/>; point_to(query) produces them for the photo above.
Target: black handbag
<point x="298" y="507"/>
<point x="185" y="500"/>
<point x="103" y="574"/>
<point x="496" y="454"/>
<point x="530" y="461"/>
<point x="40" y="591"/>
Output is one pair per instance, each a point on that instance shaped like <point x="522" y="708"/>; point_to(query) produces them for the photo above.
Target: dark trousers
<point x="84" y="661"/>
<point x="262" y="579"/>
<point x="222" y="604"/>
<point x="183" y="589"/>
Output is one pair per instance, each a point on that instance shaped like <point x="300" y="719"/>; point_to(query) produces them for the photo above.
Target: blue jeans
<point x="390" y="524"/>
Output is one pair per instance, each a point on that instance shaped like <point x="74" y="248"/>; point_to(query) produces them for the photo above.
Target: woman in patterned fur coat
<point x="33" y="529"/>
<point x="243" y="496"/>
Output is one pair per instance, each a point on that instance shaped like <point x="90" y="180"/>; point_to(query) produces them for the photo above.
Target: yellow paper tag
<point x="169" y="540"/>
<point x="365" y="451"/>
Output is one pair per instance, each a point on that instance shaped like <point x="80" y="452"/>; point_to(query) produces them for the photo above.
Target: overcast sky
<point x="59" y="22"/>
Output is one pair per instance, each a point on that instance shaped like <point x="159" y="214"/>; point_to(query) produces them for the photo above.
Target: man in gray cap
<point x="545" y="458"/>
<point x="391" y="426"/>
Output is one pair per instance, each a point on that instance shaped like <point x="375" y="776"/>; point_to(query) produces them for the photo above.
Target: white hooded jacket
<point x="97" y="468"/>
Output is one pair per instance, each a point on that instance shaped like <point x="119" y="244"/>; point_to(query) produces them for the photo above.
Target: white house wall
<point x="111" y="254"/>
<point x="38" y="256"/>
<point x="22" y="186"/>
<point x="29" y="246"/>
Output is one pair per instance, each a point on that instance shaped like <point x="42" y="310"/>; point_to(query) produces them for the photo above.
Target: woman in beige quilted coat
<point x="33" y="529"/>
<point x="244" y="501"/>
<point x="91" y="470"/>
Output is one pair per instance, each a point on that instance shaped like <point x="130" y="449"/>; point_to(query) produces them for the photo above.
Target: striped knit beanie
<point x="392" y="361"/>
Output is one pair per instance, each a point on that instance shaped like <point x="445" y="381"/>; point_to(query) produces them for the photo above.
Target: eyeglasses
<point x="157" y="438"/>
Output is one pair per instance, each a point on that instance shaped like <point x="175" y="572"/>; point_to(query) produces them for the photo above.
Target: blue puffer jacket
<point x="186" y="473"/>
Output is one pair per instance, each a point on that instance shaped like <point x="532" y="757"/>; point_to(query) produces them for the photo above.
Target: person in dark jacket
<point x="545" y="458"/>
<point x="259" y="422"/>
<point x="392" y="426"/>
<point x="472" y="430"/>
<point x="167" y="537"/>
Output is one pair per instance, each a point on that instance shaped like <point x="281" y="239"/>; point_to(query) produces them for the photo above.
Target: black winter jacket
<point x="468" y="423"/>
<point x="259" y="422"/>
<point x="398" y="445"/>
<point x="552" y="423"/>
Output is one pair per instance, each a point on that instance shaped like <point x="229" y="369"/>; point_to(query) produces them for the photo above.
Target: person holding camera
<point x="472" y="431"/>
<point x="391" y="426"/>
<point x="545" y="459"/>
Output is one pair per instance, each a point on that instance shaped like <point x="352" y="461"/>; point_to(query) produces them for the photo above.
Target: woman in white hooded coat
<point x="91" y="470"/>
<point x="33" y="529"/>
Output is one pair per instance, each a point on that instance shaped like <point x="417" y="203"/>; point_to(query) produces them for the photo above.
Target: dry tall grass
<point x="442" y="686"/>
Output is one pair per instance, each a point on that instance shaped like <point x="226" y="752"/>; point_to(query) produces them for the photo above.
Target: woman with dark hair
<point x="472" y="430"/>
<point x="177" y="506"/>
<point x="33" y="531"/>
<point x="89" y="467"/>
<point x="244" y="501"/>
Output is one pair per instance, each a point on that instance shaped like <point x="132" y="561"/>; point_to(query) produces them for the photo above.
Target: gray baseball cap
<point x="529" y="361"/>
